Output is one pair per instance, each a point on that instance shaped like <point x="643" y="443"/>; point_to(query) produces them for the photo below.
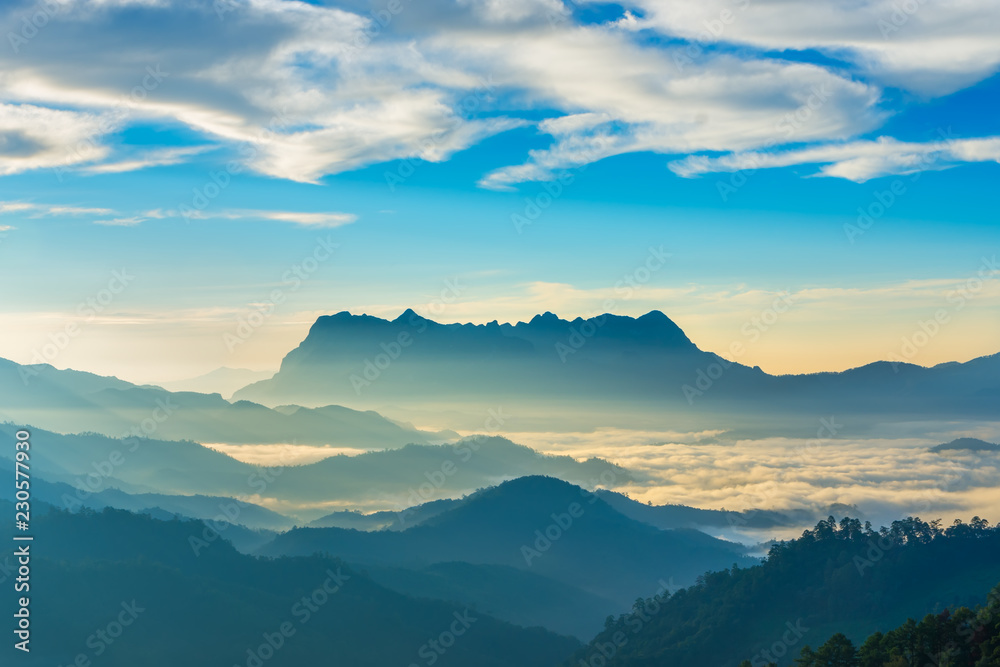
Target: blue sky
<point x="741" y="137"/>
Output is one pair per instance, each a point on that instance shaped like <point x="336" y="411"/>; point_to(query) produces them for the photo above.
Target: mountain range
<point x="599" y="370"/>
<point x="536" y="524"/>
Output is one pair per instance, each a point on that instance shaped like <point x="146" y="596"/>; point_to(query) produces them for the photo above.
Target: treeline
<point x="839" y="577"/>
<point x="961" y="638"/>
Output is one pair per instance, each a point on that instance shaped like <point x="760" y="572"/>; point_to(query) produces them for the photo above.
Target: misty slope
<point x="603" y="363"/>
<point x="224" y="381"/>
<point x="510" y="594"/>
<point x="212" y="608"/>
<point x="598" y="550"/>
<point x="680" y="516"/>
<point x="408" y="476"/>
<point x="73" y="402"/>
<point x="397" y="477"/>
<point x="387" y="519"/>
<point x="67" y="496"/>
<point x="835" y="578"/>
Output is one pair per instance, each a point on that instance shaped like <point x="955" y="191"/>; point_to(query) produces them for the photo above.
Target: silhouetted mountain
<point x="836" y="578"/>
<point x="398" y="477"/>
<point x="680" y="516"/>
<point x="214" y="508"/>
<point x="72" y="402"/>
<point x="966" y="445"/>
<point x="224" y="381"/>
<point x="218" y="607"/>
<point x="386" y="519"/>
<point x="538" y="524"/>
<point x="413" y="474"/>
<point x="601" y="366"/>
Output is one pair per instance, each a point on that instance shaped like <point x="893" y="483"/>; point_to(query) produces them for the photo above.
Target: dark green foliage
<point x="210" y="609"/>
<point x="960" y="638"/>
<point x="838" y="577"/>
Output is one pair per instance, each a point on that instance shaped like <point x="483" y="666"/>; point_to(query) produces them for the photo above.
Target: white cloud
<point x="34" y="210"/>
<point x="130" y="221"/>
<point x="36" y="137"/>
<point x="301" y="91"/>
<point x="933" y="47"/>
<point x="154" y="158"/>
<point x="858" y="161"/>
<point x="638" y="99"/>
<point x="326" y="219"/>
<point x="308" y="219"/>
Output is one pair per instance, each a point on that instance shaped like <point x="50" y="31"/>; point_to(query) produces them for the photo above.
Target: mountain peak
<point x="408" y="315"/>
<point x="547" y="317"/>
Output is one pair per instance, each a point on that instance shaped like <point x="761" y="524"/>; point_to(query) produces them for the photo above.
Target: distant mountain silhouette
<point x="603" y="364"/>
<point x="224" y="381"/>
<point x="680" y="516"/>
<point x="402" y="478"/>
<point x="386" y="519"/>
<point x="967" y="445"/>
<point x="665" y="517"/>
<point x="538" y="524"/>
<point x="66" y="496"/>
<point x="72" y="402"/>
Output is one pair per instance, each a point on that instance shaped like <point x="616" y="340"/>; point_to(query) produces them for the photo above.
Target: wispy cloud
<point x="857" y="161"/>
<point x="34" y="210"/>
<point x="325" y="219"/>
<point x="154" y="158"/>
<point x="306" y="219"/>
<point x="303" y="91"/>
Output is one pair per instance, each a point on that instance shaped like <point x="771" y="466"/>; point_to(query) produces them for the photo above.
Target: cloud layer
<point x="300" y="91"/>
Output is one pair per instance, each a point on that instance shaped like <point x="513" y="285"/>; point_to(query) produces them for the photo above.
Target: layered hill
<point x="395" y="478"/>
<point x="135" y="585"/>
<point x="535" y="524"/>
<point x="72" y="402"/>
